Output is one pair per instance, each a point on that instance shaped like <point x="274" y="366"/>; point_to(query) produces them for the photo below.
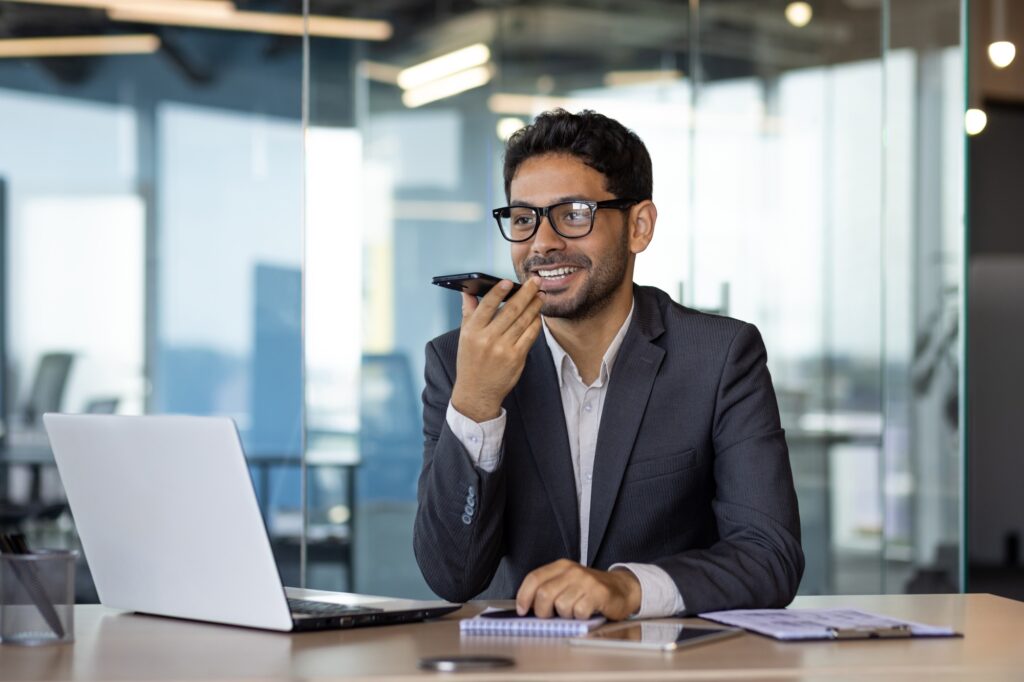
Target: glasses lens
<point x="518" y="222"/>
<point x="573" y="219"/>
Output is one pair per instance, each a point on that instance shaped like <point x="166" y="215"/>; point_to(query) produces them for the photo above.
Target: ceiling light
<point x="618" y="78"/>
<point x="445" y="65"/>
<point x="448" y="86"/>
<point x="1001" y="53"/>
<point x="379" y="71"/>
<point x="975" y="121"/>
<point x="258" y="22"/>
<point x="79" y="46"/>
<point x="222" y="15"/>
<point x="195" y="7"/>
<point x="527" y="105"/>
<point x="799" y="14"/>
<point x="508" y="126"/>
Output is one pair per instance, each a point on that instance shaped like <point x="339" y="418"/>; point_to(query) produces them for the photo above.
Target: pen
<point x="889" y="632"/>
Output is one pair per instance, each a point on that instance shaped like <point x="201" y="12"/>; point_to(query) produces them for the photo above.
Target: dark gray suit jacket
<point x="691" y="471"/>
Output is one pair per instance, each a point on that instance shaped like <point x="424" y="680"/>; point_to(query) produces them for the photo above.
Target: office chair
<point x="48" y="388"/>
<point x="102" y="406"/>
<point x="47" y="395"/>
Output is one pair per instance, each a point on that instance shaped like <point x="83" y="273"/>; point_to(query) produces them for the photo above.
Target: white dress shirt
<point x="583" y="406"/>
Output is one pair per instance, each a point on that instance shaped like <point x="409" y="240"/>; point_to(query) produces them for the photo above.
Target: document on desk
<point x="810" y="624"/>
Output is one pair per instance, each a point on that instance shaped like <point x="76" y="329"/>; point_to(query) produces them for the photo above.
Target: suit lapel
<point x="540" y="404"/>
<point x="632" y="379"/>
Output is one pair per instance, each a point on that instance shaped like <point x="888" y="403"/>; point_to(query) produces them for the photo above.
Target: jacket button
<point x="466" y="519"/>
<point x="468" y="511"/>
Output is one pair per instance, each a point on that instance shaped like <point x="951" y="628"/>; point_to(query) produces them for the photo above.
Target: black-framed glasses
<point x="570" y="219"/>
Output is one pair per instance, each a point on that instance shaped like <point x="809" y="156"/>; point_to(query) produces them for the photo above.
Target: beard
<point x="598" y="287"/>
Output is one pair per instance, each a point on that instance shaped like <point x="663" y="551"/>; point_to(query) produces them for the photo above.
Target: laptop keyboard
<point x="323" y="608"/>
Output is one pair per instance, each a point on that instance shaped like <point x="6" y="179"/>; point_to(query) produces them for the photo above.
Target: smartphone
<point x="654" y="636"/>
<point x="476" y="283"/>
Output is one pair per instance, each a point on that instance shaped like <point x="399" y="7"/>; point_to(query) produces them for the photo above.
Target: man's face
<point x="578" y="276"/>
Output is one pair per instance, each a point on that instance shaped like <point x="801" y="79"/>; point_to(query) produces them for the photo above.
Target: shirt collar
<point x="564" y="363"/>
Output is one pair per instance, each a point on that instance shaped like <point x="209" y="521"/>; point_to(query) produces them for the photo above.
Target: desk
<point x="118" y="646"/>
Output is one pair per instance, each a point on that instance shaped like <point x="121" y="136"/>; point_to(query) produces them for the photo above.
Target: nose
<point x="546" y="239"/>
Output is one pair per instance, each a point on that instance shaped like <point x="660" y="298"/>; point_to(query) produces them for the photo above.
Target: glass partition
<point x="808" y="174"/>
<point x="153" y="220"/>
<point x="239" y="220"/>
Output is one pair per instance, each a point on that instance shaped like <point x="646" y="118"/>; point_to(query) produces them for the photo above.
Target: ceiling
<point x="566" y="39"/>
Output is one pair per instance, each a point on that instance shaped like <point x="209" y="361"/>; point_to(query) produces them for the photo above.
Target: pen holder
<point x="37" y="597"/>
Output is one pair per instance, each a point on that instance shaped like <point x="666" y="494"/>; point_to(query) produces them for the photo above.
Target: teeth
<point x="558" y="272"/>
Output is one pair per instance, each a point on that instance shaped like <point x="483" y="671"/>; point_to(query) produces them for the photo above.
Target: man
<point x="591" y="446"/>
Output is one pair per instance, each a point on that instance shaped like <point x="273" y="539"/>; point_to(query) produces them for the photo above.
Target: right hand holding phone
<point x="493" y="346"/>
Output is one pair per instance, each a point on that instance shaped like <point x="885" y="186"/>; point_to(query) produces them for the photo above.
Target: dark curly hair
<point x="602" y="143"/>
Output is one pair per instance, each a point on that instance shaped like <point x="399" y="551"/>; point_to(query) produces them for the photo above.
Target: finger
<point x="547" y="596"/>
<point x="583" y="608"/>
<point x="528" y="590"/>
<point x="469" y="305"/>
<point x="488" y="305"/>
<point x="516" y="305"/>
<point x="527" y="338"/>
<point x="523" y="322"/>
<point x="534" y="579"/>
<point x="565" y="602"/>
<point x="559" y="594"/>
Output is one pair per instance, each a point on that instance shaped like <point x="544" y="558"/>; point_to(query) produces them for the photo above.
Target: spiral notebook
<point x="494" y="621"/>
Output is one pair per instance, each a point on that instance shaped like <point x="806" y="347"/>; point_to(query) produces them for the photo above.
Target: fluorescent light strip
<point x="379" y="71"/>
<point x="443" y="66"/>
<point x="619" y="78"/>
<point x="222" y="15"/>
<point x="446" y="87"/>
<point x="79" y="46"/>
<point x="193" y="7"/>
<point x="528" y="105"/>
<point x="261" y="22"/>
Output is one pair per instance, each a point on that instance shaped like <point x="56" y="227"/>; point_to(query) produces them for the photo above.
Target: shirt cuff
<point x="482" y="441"/>
<point x="659" y="596"/>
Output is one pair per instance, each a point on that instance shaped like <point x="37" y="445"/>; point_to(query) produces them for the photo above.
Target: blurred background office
<point x="235" y="208"/>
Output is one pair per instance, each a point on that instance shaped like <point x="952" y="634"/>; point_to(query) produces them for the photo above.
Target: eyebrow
<point x="560" y="200"/>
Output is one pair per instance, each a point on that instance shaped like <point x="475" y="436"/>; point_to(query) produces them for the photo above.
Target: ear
<point x="642" y="218"/>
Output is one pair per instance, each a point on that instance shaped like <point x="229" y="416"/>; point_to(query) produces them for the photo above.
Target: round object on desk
<point x="454" y="664"/>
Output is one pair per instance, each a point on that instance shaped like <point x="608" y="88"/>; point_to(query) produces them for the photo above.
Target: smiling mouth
<point x="555" y="273"/>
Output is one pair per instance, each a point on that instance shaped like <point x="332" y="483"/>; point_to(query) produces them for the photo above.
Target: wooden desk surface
<point x="117" y="646"/>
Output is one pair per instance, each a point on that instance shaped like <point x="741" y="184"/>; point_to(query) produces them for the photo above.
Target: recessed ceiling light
<point x="975" y="121"/>
<point x="799" y="14"/>
<point x="1001" y="53"/>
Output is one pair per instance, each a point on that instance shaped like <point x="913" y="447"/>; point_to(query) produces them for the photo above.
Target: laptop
<point x="168" y="520"/>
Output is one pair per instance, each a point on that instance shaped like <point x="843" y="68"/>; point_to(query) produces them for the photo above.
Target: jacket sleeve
<point x="457" y="536"/>
<point x="757" y="561"/>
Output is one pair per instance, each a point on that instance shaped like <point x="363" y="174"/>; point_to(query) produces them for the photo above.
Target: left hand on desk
<point x="574" y="591"/>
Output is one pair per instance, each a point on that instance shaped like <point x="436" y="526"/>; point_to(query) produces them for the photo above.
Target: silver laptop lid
<point x="167" y="516"/>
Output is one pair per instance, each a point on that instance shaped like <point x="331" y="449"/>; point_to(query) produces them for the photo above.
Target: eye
<point x="576" y="215"/>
